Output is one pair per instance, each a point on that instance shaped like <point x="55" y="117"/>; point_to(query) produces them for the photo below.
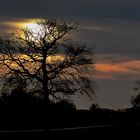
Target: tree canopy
<point x="50" y="64"/>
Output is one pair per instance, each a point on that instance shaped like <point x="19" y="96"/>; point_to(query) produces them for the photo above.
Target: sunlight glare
<point x="37" y="31"/>
<point x="55" y="59"/>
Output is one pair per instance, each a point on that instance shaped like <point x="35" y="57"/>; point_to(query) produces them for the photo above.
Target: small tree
<point x="51" y="64"/>
<point x="94" y="107"/>
<point x="135" y="100"/>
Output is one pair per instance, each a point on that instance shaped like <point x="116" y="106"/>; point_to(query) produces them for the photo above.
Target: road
<point x="98" y="131"/>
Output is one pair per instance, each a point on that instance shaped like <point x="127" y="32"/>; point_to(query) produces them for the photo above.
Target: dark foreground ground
<point x="72" y="125"/>
<point x="93" y="132"/>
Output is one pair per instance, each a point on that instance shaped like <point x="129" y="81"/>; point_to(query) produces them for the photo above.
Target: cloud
<point x="124" y="70"/>
<point x="110" y="36"/>
<point x="126" y="9"/>
<point x="119" y="38"/>
<point x="12" y="25"/>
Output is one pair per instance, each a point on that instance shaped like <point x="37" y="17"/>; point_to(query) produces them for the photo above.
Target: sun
<point x="34" y="27"/>
<point x="37" y="31"/>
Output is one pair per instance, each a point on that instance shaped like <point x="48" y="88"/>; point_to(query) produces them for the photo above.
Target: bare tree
<point x="51" y="64"/>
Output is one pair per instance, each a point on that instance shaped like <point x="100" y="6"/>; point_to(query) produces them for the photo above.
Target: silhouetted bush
<point x="21" y="105"/>
<point x="94" y="107"/>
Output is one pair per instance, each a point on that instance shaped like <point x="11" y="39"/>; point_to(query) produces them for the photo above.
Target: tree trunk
<point x="46" y="110"/>
<point x="46" y="93"/>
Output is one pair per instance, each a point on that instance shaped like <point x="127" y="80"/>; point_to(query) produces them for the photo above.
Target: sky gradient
<point x="112" y="27"/>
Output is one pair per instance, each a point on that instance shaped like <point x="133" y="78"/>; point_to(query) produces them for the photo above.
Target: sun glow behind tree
<point x="36" y="31"/>
<point x="50" y="64"/>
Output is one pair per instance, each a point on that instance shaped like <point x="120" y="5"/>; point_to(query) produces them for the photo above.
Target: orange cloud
<point x="110" y="68"/>
<point x="124" y="69"/>
<point x="16" y="25"/>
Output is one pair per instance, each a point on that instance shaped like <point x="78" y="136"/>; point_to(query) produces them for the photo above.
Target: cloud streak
<point x="126" y="9"/>
<point x="123" y="70"/>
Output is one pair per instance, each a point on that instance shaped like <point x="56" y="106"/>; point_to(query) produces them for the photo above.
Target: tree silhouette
<point x="135" y="100"/>
<point x="50" y="63"/>
<point x="94" y="107"/>
<point x="14" y="84"/>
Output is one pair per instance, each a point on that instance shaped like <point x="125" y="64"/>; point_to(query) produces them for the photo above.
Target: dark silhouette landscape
<point x="21" y="114"/>
<point x="40" y="72"/>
